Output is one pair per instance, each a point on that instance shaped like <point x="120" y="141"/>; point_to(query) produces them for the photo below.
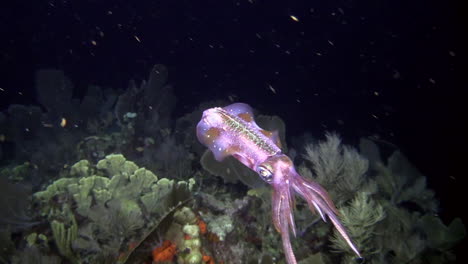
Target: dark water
<point x="389" y="70"/>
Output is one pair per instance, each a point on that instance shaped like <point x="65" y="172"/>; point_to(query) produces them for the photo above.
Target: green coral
<point x="117" y="202"/>
<point x="35" y="239"/>
<point x="193" y="244"/>
<point x="360" y="218"/>
<point x="64" y="236"/>
<point x="80" y="169"/>
<point x="116" y="164"/>
<point x="185" y="216"/>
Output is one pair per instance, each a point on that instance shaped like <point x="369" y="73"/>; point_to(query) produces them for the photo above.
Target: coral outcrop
<point x="115" y="201"/>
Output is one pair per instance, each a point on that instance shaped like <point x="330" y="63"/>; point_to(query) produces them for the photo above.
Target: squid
<point x="232" y="131"/>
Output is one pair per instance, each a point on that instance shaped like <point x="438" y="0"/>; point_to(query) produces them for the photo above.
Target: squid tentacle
<point x="283" y="220"/>
<point x="318" y="198"/>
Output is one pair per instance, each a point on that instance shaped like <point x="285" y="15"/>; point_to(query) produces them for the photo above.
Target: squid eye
<point x="265" y="173"/>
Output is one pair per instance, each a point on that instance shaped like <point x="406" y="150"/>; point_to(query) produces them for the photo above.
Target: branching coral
<point x="64" y="235"/>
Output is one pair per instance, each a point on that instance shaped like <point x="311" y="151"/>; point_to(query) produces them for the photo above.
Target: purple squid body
<point x="232" y="131"/>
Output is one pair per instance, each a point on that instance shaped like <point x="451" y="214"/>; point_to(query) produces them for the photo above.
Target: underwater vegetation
<point x="122" y="180"/>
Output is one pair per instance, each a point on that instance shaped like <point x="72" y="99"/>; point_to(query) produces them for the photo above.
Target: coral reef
<point x="191" y="244"/>
<point x="65" y="234"/>
<point x="39" y="145"/>
<point x="184" y="235"/>
<point x="98" y="207"/>
<point x="373" y="198"/>
<point x="47" y="139"/>
<point x="136" y="123"/>
<point x="220" y="218"/>
<point x="116" y="202"/>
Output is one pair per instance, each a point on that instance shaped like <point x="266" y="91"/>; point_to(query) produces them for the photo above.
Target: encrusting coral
<point x="165" y="252"/>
